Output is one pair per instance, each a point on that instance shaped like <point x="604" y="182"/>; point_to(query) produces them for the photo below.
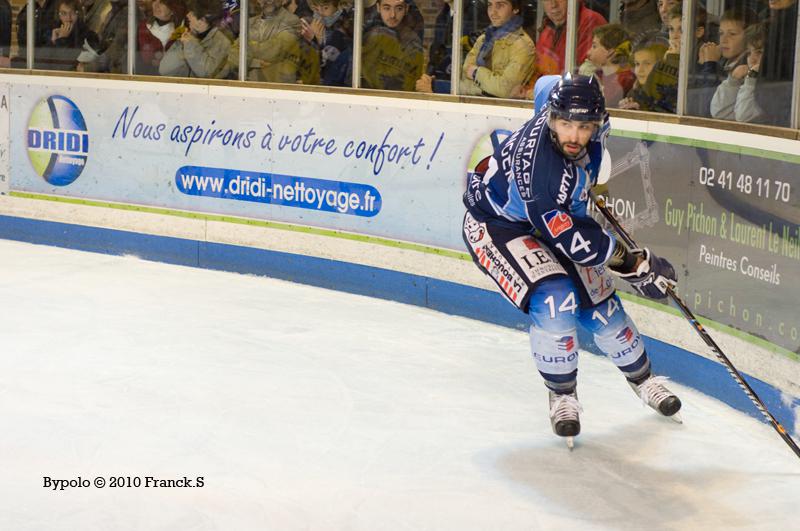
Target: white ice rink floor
<point x="304" y="408"/>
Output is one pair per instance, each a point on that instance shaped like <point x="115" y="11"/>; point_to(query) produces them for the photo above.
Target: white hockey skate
<point x="653" y="393"/>
<point x="564" y="416"/>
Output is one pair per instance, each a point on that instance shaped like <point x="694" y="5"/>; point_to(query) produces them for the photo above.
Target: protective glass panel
<point x="326" y="51"/>
<point x="70" y="35"/>
<point x="501" y="60"/>
<point x="274" y="45"/>
<point x="745" y="63"/>
<point x="192" y="38"/>
<point x="607" y="34"/>
<point x="392" y="55"/>
<point x="97" y="40"/>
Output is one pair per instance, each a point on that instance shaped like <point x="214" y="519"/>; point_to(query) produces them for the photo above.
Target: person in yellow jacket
<point x="503" y="57"/>
<point x="273" y="47"/>
<point x="392" y="57"/>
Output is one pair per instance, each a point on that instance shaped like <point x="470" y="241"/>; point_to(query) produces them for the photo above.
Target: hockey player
<point x="528" y="228"/>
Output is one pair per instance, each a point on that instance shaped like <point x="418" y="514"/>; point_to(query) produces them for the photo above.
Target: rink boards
<point x="362" y="194"/>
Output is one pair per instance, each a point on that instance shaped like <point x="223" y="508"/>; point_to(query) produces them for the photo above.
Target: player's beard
<point x="571" y="156"/>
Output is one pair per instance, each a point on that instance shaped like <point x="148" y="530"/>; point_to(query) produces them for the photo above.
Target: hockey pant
<point x="558" y="296"/>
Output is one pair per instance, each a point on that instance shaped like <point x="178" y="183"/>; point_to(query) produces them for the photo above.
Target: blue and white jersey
<point x="527" y="181"/>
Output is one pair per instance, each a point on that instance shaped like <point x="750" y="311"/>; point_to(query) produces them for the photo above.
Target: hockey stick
<point x="601" y="205"/>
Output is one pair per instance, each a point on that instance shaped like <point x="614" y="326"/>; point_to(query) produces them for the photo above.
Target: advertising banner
<point x="391" y="172"/>
<point x="727" y="221"/>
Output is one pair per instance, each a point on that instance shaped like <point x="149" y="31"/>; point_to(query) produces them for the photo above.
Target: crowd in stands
<point x="741" y="66"/>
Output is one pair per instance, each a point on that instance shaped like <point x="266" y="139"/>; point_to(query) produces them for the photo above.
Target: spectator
<point x="392" y="57"/>
<point x="552" y="41"/>
<point x="646" y="54"/>
<point x="229" y="23"/>
<point x="44" y="17"/>
<point x="106" y="50"/>
<point x="299" y="8"/>
<point x="413" y="17"/>
<point x="330" y="33"/>
<point x="662" y="84"/>
<point x="608" y="60"/>
<point x="664" y="7"/>
<point x="308" y="56"/>
<point x="202" y="50"/>
<point x="5" y="34"/>
<point x="66" y="38"/>
<point x="144" y="9"/>
<point x="503" y="57"/>
<point x="273" y="46"/>
<point x="97" y="10"/>
<point x="158" y="33"/>
<point x="640" y="17"/>
<point x="776" y="70"/>
<point x="717" y="61"/>
<point x="735" y="98"/>
<point x="438" y="74"/>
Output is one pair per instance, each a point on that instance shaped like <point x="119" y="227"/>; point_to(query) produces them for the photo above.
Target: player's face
<point x="392" y="12"/>
<point x="643" y="63"/>
<point x="731" y="38"/>
<point x="500" y="12"/>
<point x="573" y="136"/>
<point x="556" y="10"/>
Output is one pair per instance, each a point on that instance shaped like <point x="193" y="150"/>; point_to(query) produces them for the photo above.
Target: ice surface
<point x="304" y="408"/>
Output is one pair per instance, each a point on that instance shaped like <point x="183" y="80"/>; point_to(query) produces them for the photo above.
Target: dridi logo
<point x="58" y="142"/>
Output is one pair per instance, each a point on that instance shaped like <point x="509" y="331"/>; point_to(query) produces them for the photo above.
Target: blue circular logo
<point x="58" y="141"/>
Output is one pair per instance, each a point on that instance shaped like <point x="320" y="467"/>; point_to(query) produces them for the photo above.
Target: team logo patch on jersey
<point x="557" y="222"/>
<point x="474" y="229"/>
<point x="566" y="343"/>
<point x="625" y="335"/>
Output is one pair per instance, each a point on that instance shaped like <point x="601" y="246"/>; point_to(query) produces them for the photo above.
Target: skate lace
<point x="565" y="407"/>
<point x="652" y="391"/>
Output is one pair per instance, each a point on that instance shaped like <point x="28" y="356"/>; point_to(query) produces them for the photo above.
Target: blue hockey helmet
<point x="541" y="91"/>
<point x="577" y="97"/>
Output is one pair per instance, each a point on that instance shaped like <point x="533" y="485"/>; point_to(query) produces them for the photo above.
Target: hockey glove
<point x="653" y="276"/>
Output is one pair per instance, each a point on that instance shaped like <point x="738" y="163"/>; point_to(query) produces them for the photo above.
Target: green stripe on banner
<point x="707" y="144"/>
<point x="388" y="243"/>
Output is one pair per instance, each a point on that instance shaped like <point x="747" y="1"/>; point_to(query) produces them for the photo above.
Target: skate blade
<point x="570" y="442"/>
